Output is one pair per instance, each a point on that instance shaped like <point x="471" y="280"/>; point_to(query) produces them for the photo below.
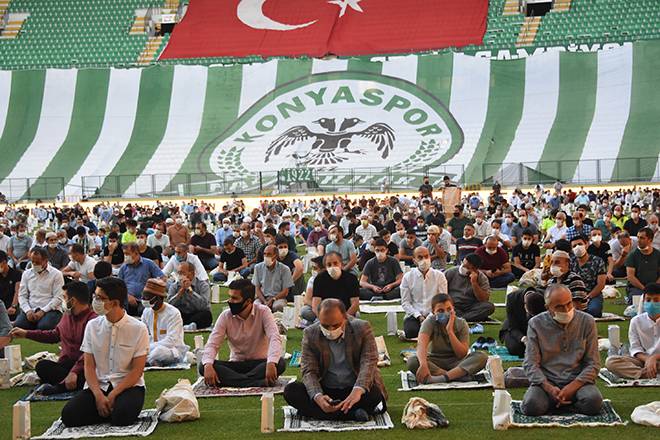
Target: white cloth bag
<point x="501" y="410"/>
<point x="648" y="414"/>
<point x="178" y="404"/>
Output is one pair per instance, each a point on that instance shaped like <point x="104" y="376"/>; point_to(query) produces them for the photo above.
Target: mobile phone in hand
<point x="335" y="402"/>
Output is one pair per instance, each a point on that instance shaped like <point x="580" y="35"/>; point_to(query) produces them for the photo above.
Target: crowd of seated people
<point x="74" y="275"/>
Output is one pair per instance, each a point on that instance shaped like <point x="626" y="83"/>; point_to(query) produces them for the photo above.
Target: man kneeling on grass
<point x="67" y="373"/>
<point x="255" y="358"/>
<point x="115" y="347"/>
<point x="340" y="377"/>
<point x="443" y="347"/>
<point x="561" y="358"/>
<point x="164" y="324"/>
<point x="644" y="359"/>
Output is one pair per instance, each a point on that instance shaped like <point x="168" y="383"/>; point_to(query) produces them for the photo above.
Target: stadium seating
<point x="73" y="33"/>
<point x="95" y="33"/>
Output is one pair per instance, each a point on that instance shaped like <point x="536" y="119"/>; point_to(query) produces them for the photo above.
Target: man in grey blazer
<point x="340" y="377"/>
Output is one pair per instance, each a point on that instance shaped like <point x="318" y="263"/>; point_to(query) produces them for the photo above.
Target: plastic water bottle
<point x="392" y="324"/>
<point x="267" y="413"/>
<point x="614" y="335"/>
<point x="21" y="421"/>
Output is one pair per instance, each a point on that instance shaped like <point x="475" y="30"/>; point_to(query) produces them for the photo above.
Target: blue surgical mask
<point x="652" y="308"/>
<point x="179" y="258"/>
<point x="442" y="318"/>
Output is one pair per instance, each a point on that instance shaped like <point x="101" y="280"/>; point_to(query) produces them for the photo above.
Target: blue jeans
<point x="502" y="280"/>
<point x="595" y="306"/>
<point x="48" y="322"/>
<point x="209" y="262"/>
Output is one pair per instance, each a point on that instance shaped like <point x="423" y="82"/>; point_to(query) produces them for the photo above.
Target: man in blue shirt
<point x="135" y="272"/>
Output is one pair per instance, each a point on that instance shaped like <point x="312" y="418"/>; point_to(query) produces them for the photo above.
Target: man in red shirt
<point x="67" y="374"/>
<point x="495" y="263"/>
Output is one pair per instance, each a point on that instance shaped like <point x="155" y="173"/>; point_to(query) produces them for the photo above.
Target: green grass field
<point x="469" y="411"/>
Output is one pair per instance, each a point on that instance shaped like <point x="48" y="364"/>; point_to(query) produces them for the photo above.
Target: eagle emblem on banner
<point x="334" y="144"/>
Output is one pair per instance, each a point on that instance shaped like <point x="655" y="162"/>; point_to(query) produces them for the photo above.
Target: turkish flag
<point x="240" y="28"/>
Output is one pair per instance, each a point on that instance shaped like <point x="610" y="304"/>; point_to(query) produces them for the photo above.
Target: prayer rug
<point x="178" y="366"/>
<point x="202" y="390"/>
<point x="607" y="417"/>
<point x="368" y="308"/>
<point x="613" y="381"/>
<point x="381" y="301"/>
<point x="503" y="353"/>
<point x="607" y="317"/>
<point x="295" y="359"/>
<point x="409" y="383"/>
<point x="489" y="321"/>
<point x="36" y="396"/>
<point x="144" y="426"/>
<point x="296" y="423"/>
<point x="200" y="330"/>
<point x="402" y="336"/>
<point x="407" y="353"/>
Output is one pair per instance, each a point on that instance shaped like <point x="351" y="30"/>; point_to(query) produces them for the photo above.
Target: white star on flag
<point x="343" y="4"/>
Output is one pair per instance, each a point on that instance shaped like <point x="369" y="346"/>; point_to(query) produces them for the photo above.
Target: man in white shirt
<point x="644" y="337"/>
<point x="164" y="324"/>
<point x="115" y="347"/>
<point x="159" y="239"/>
<point x="556" y="232"/>
<point x="366" y="230"/>
<point x="482" y="228"/>
<point x="40" y="294"/>
<point x="418" y="287"/>
<point x="4" y="240"/>
<point x="181" y="254"/>
<point x="81" y="266"/>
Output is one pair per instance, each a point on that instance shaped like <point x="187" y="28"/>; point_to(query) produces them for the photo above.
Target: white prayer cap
<point x="561" y="254"/>
<point x="247" y="219"/>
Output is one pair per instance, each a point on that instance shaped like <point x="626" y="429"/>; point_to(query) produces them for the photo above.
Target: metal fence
<point x="199" y="185"/>
<point x="643" y="169"/>
<point x="299" y="180"/>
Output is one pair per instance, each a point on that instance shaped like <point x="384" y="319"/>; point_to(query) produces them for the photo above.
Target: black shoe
<point x="359" y="415"/>
<point x="48" y="389"/>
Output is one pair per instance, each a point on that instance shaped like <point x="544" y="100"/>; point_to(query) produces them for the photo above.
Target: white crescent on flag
<point x="251" y="13"/>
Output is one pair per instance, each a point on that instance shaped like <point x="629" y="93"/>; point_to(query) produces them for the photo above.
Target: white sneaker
<point x="190" y="327"/>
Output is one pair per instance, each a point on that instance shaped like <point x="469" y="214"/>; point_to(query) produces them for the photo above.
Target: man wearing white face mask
<point x="559" y="272"/>
<point x="381" y="276"/>
<point x="561" y="358"/>
<point x="40" y="294"/>
<point x="526" y="255"/>
<point x="495" y="263"/>
<point x="272" y="281"/>
<point x="289" y="258"/>
<point x="164" y="324"/>
<point x="418" y="287"/>
<point x="653" y="226"/>
<point x="336" y="283"/>
<point x="592" y="270"/>
<point x="340" y="377"/>
<point x="115" y="348"/>
<point x="469" y="290"/>
<point x="57" y="256"/>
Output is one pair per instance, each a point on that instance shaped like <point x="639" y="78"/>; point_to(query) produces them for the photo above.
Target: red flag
<point x="240" y="28"/>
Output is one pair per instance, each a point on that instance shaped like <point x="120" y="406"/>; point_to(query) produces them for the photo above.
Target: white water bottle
<point x="215" y="293"/>
<point x="613" y="334"/>
<point x="21" y="421"/>
<point x="392" y="324"/>
<point x="267" y="413"/>
<point x="199" y="342"/>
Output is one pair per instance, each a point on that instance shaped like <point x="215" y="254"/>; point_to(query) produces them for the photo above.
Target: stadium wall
<point x="179" y="130"/>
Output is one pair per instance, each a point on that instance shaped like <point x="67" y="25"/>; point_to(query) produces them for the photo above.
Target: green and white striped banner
<point x="164" y="126"/>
